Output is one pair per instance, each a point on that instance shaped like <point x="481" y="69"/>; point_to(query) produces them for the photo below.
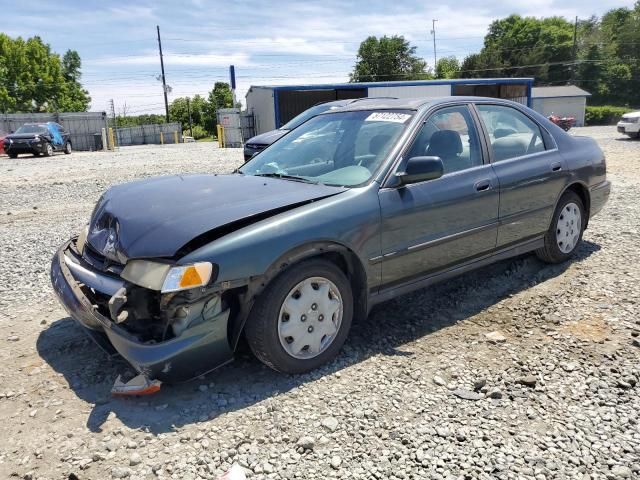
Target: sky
<point x="269" y="42"/>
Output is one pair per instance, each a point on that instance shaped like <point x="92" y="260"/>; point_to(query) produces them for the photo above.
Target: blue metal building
<point x="274" y="105"/>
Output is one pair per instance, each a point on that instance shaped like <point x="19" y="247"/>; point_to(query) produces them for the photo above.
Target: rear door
<point x="530" y="170"/>
<point x="435" y="224"/>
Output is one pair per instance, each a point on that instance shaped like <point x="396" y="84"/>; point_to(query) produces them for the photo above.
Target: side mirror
<point x="420" y="169"/>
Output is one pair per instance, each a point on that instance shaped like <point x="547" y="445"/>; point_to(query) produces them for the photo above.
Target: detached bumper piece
<point x="195" y="343"/>
<point x="139" y="385"/>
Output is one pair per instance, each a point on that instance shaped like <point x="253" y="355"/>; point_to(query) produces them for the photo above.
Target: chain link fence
<point x="148" y="134"/>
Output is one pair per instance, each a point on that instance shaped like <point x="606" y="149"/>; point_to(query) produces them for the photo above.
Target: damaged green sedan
<point x="352" y="208"/>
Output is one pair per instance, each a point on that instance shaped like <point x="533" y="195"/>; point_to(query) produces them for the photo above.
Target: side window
<point x="451" y="135"/>
<point x="511" y="133"/>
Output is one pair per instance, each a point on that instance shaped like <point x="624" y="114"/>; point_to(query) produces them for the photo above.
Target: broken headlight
<point x="166" y="277"/>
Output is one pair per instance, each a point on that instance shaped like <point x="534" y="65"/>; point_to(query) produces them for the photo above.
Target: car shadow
<point x="90" y="373"/>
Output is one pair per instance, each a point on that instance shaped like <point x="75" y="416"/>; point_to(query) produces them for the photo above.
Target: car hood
<point x="157" y="217"/>
<point x="15" y="136"/>
<point x="267" y="138"/>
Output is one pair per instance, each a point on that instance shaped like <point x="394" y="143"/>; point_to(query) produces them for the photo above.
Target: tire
<point x="272" y="318"/>
<point x="565" y="232"/>
<point x="48" y="150"/>
<point x="67" y="148"/>
<point x="13" y="155"/>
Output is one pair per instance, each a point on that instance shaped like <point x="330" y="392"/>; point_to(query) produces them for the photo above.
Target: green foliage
<point x="146" y="119"/>
<point x="607" y="54"/>
<point x="388" y="59"/>
<point x="604" y="115"/>
<point x="203" y="111"/>
<point x="219" y="97"/>
<point x="448" y="67"/>
<point x="178" y="111"/>
<point x="198" y="132"/>
<point x="517" y="46"/>
<point x="35" y="79"/>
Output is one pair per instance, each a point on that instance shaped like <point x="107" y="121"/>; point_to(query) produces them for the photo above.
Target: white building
<point x="565" y="101"/>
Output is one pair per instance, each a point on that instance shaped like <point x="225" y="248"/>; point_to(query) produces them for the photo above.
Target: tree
<point x="448" y="67"/>
<point x="606" y="62"/>
<point x="388" y="58"/>
<point x="203" y="111"/>
<point x="35" y="79"/>
<point x="219" y="97"/>
<point x="524" y="46"/>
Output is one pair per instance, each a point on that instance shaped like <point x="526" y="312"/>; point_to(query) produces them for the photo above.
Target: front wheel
<point x="48" y="150"/>
<point x="565" y="232"/>
<point x="301" y="320"/>
<point x="67" y="148"/>
<point x="13" y="155"/>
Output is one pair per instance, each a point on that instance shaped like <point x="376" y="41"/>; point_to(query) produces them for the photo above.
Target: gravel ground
<point x="519" y="371"/>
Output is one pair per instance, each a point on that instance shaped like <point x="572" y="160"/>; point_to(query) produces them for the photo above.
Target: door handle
<point x="556" y="167"/>
<point x="482" y="185"/>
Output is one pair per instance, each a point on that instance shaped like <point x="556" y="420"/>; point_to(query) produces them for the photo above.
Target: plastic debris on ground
<point x="234" y="473"/>
<point x="139" y="385"/>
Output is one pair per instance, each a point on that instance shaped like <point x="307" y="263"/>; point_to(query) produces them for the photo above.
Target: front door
<point x="435" y="224"/>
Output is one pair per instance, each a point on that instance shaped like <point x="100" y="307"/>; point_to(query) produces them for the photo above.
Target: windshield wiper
<point x="284" y="176"/>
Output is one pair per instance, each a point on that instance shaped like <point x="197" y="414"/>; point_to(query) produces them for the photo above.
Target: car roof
<point x="390" y="103"/>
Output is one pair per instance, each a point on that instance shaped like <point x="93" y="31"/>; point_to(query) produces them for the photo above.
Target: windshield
<point x="32" y="129"/>
<point x="306" y="115"/>
<point x="342" y="148"/>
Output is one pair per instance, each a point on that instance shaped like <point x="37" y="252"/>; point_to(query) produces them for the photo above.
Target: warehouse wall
<point x="260" y="103"/>
<point x="411" y="91"/>
<point x="562" y="106"/>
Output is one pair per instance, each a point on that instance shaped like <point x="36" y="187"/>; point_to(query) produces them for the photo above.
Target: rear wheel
<point x="302" y="318"/>
<point x="67" y="148"/>
<point x="565" y="232"/>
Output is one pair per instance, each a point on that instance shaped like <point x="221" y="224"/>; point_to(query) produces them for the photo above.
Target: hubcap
<point x="568" y="227"/>
<point x="310" y="318"/>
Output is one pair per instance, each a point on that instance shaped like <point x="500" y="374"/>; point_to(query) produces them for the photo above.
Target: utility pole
<point x="189" y="111"/>
<point x="433" y="32"/>
<point x="164" y="82"/>
<point x="575" y="49"/>
<point x="113" y="114"/>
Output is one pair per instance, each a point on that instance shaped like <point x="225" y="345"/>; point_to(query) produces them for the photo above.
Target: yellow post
<point x="175" y="136"/>
<point x="220" y="136"/>
<point x="112" y="143"/>
<point x="161" y="138"/>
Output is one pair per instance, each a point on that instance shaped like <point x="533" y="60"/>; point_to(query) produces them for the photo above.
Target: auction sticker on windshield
<point x="388" y="117"/>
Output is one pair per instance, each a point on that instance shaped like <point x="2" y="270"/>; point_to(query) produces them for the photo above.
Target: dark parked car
<point x="260" y="142"/>
<point x="38" y="138"/>
<point x="287" y="251"/>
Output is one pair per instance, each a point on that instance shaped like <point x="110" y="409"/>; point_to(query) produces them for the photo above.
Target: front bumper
<point x="18" y="148"/>
<point x="628" y="128"/>
<point x="196" y="351"/>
